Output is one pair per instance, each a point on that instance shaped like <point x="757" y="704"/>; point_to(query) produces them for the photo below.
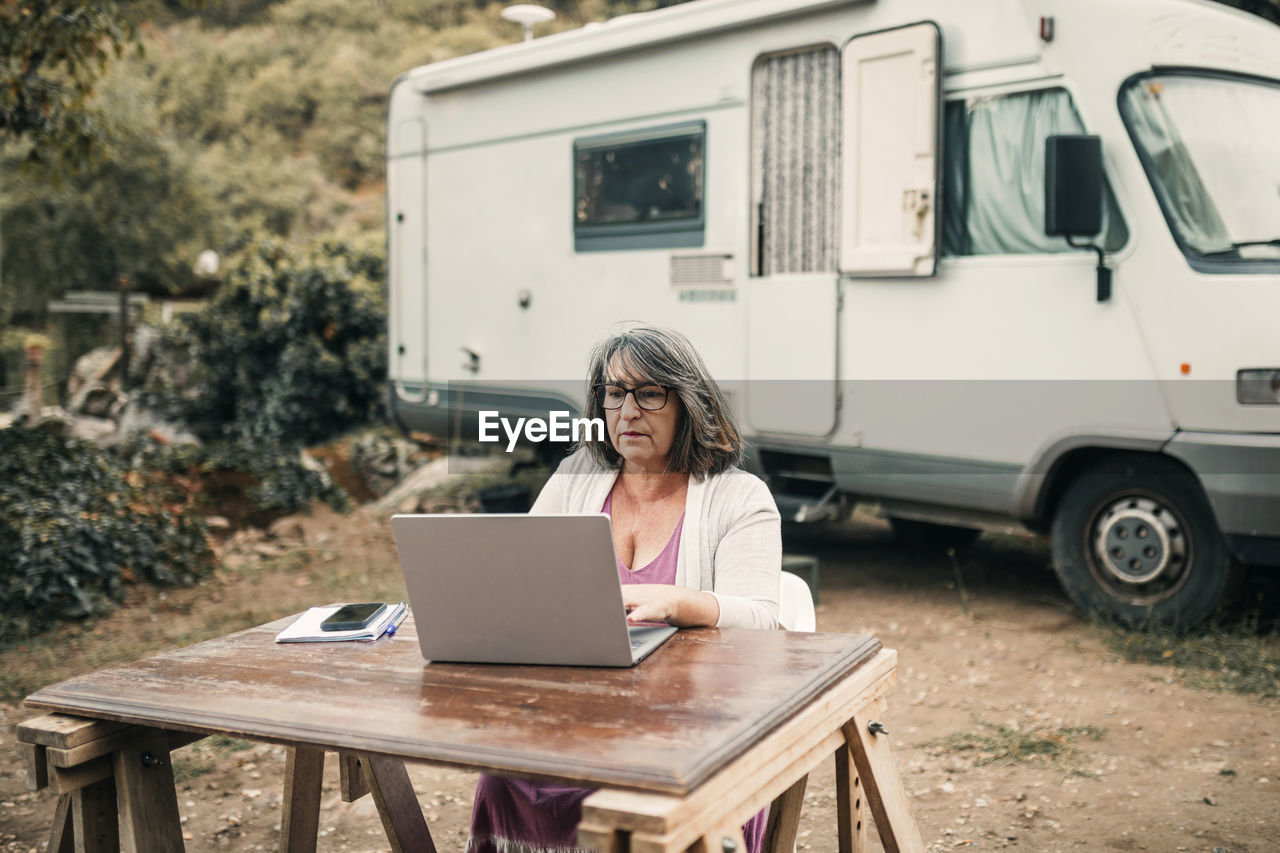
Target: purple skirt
<point x="515" y="816"/>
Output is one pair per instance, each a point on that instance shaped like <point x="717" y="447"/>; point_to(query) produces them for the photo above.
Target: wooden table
<point x="682" y="748"/>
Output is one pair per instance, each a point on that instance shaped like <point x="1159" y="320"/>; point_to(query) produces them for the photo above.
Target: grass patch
<point x="345" y="582"/>
<point x="57" y="655"/>
<point x="1237" y="659"/>
<point x="200" y="758"/>
<point x="225" y="745"/>
<point x="188" y="767"/>
<point x="1057" y="746"/>
<point x="134" y="631"/>
<point x="219" y="623"/>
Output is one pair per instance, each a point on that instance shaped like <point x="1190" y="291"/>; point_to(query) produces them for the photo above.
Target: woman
<point x="698" y="540"/>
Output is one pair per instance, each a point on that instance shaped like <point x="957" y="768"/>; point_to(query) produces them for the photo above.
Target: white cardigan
<point x="731" y="544"/>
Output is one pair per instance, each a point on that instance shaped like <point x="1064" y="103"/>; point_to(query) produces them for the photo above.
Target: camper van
<point x="979" y="263"/>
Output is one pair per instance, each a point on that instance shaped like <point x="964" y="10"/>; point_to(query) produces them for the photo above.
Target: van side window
<point x="795" y="161"/>
<point x="993" y="175"/>
<point x="641" y="189"/>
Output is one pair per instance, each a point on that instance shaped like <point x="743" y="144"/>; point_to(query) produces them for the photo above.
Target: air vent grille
<point x="702" y="270"/>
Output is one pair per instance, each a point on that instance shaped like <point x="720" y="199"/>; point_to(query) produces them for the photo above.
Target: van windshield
<point x="1211" y="144"/>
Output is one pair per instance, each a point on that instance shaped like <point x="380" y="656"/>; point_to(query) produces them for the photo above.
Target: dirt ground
<point x="991" y="656"/>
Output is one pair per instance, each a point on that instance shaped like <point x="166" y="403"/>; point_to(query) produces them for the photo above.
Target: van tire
<point x="1135" y="542"/>
<point x="930" y="533"/>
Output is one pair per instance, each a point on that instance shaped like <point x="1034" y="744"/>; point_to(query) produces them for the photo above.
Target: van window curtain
<point x="955" y="179"/>
<point x="797" y="160"/>
<point x="994" y="168"/>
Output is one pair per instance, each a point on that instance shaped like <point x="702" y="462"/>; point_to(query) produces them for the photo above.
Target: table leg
<point x="94" y="825"/>
<point x="603" y="839"/>
<point x="351" y="782"/>
<point x="784" y="818"/>
<point x="147" y="796"/>
<point x="62" y="838"/>
<point x="85" y="821"/>
<point x="397" y="805"/>
<point x="873" y="757"/>
<point x="33" y="755"/>
<point x="303" y="773"/>
<point x="851" y="809"/>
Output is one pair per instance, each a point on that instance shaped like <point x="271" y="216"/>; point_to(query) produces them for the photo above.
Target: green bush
<point x="76" y="526"/>
<point x="290" y="353"/>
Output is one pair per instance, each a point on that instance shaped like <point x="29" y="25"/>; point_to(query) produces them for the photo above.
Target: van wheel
<point x="929" y="533"/>
<point x="1135" y="541"/>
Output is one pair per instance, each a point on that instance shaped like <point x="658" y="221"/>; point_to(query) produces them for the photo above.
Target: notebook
<point x="306" y="628"/>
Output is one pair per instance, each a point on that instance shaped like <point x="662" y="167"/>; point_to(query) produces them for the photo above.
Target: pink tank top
<point x="662" y="569"/>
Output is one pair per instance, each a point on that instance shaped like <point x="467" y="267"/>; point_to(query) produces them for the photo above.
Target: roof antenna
<point x="527" y="15"/>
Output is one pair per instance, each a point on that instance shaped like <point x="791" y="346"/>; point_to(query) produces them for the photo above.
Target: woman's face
<point x="642" y="438"/>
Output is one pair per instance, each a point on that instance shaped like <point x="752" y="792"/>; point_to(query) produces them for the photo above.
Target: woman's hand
<point x="675" y="605"/>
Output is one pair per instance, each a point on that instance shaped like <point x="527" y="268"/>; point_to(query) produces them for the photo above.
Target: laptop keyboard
<point x="642" y="637"/>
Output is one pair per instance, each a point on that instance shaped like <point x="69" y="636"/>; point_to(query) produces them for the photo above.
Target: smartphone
<point x="350" y="617"/>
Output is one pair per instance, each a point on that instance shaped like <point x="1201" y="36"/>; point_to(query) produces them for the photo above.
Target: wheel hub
<point x="1137" y="541"/>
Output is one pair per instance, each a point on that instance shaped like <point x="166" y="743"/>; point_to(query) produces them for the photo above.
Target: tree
<point x="52" y="53"/>
<point x="143" y="208"/>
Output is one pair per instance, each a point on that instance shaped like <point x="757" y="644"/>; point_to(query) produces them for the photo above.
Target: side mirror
<point x="1073" y="185"/>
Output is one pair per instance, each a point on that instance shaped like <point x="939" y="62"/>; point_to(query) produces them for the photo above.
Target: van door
<point x="892" y="95"/>
<point x="791" y="296"/>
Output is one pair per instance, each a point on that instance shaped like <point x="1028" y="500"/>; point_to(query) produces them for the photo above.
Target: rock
<point x="146" y="344"/>
<point x="381" y="460"/>
<point x="52" y="417"/>
<point x="93" y="368"/>
<point x="312" y="464"/>
<point x="432" y="474"/>
<point x="92" y="429"/>
<point x="316" y="467"/>
<point x="99" y="401"/>
<point x="135" y="420"/>
<point x="92" y="388"/>
<point x="287" y="530"/>
<point x="234" y="561"/>
<point x="217" y="522"/>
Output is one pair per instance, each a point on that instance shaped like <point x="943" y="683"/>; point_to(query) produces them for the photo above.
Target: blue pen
<point x="391" y="630"/>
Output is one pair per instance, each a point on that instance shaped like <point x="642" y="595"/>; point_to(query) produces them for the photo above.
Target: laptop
<point x="527" y="589"/>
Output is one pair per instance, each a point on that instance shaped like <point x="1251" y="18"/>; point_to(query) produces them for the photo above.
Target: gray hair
<point x="707" y="440"/>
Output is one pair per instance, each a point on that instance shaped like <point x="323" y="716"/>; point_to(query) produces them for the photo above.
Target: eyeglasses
<point x="651" y="398"/>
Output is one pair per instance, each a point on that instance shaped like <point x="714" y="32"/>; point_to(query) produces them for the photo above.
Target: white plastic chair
<point x="795" y="604"/>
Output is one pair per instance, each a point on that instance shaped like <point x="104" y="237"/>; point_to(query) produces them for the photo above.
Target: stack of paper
<point x="306" y="628"/>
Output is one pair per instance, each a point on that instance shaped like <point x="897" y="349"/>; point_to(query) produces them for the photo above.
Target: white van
<point x="843" y="205"/>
